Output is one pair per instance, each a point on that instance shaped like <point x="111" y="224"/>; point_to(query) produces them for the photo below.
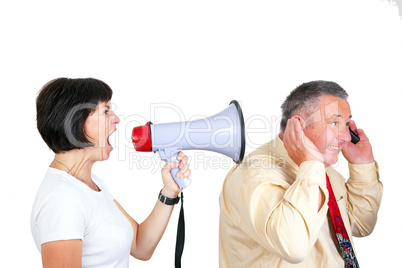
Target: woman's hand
<point x="148" y="234"/>
<point x="170" y="187"/>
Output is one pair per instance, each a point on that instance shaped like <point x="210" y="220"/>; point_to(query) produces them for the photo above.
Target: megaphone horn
<point x="223" y="133"/>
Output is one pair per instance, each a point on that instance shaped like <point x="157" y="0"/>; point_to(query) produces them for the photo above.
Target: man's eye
<point x="334" y="123"/>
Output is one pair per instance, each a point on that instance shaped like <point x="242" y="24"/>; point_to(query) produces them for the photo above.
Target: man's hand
<point x="299" y="147"/>
<point x="360" y="153"/>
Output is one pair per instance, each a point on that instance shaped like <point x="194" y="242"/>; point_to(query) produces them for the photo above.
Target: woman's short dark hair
<point x="62" y="107"/>
<point x="304" y="99"/>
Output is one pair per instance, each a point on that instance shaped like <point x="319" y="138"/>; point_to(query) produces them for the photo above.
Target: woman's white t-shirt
<point x="65" y="208"/>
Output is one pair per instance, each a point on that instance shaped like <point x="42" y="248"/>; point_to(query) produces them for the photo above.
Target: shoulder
<point x="60" y="183"/>
<point x="58" y="192"/>
<point x="59" y="211"/>
<point x="264" y="164"/>
<point x="261" y="170"/>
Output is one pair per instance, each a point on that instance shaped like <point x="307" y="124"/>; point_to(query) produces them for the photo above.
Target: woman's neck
<point x="77" y="163"/>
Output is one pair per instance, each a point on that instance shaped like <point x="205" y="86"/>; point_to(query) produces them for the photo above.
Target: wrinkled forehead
<point x="331" y="107"/>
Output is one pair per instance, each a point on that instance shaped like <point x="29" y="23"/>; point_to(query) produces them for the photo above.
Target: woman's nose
<point x="115" y="119"/>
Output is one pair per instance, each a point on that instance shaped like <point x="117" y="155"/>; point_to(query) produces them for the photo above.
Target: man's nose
<point x="344" y="134"/>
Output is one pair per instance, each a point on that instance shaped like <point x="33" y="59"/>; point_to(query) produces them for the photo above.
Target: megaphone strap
<point x="180" y="236"/>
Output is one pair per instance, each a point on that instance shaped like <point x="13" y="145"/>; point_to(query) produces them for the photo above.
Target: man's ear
<point x="300" y="119"/>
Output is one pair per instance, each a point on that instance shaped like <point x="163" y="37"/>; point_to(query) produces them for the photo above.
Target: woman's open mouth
<point x="108" y="139"/>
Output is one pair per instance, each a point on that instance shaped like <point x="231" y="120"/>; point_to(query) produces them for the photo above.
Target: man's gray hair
<point x="304" y="99"/>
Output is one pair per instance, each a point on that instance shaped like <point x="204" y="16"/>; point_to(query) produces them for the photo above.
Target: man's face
<point x="328" y="127"/>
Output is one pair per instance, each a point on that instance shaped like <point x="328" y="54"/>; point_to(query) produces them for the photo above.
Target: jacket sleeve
<point x="364" y="194"/>
<point x="280" y="212"/>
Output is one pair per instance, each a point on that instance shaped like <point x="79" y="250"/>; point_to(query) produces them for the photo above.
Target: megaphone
<point x="223" y="133"/>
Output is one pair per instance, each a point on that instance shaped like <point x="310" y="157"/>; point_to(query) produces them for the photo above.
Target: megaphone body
<point x="223" y="133"/>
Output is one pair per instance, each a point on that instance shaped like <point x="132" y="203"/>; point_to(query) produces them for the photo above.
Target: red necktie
<point x="340" y="231"/>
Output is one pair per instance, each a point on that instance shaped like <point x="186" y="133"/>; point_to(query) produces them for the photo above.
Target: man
<point x="274" y="206"/>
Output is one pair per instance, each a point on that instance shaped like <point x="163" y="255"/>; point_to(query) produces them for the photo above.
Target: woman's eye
<point x="106" y="111"/>
<point x="334" y="123"/>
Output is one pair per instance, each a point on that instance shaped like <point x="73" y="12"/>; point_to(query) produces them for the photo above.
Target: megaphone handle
<point x="183" y="183"/>
<point x="170" y="155"/>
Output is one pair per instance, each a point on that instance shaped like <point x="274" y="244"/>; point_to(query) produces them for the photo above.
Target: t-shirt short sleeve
<point x="61" y="216"/>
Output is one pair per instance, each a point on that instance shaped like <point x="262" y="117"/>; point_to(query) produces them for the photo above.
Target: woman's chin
<point x="101" y="153"/>
<point x="106" y="153"/>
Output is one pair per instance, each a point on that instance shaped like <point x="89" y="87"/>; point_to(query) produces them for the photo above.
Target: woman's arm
<point x="148" y="234"/>
<point x="63" y="253"/>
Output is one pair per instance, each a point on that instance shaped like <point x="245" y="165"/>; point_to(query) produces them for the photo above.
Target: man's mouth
<point x="333" y="147"/>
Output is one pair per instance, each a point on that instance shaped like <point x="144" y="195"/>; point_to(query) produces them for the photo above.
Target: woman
<point x="75" y="221"/>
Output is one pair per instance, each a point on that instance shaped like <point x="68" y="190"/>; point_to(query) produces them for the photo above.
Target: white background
<point x="197" y="56"/>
